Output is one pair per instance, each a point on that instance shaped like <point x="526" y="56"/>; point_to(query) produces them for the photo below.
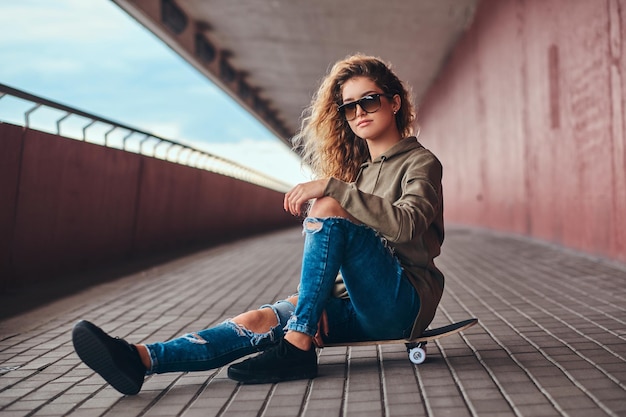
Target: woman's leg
<point x="124" y="365"/>
<point x="334" y="242"/>
<point x="217" y="346"/>
<point x="383" y="300"/>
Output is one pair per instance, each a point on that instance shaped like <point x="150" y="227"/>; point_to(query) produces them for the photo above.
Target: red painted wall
<point x="66" y="205"/>
<point x="10" y="155"/>
<point x="528" y="118"/>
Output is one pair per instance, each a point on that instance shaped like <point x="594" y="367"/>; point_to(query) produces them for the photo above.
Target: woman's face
<point x="373" y="121"/>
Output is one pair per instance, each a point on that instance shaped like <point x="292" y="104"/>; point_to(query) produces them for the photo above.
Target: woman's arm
<point x="409" y="215"/>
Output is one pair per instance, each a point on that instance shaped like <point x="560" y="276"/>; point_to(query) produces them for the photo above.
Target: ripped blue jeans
<point x="382" y="303"/>
<point x="216" y="346"/>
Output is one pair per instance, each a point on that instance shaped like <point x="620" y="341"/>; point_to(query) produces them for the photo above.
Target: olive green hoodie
<point x="399" y="194"/>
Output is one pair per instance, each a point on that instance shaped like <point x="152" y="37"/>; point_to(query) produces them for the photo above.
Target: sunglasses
<point x="370" y="104"/>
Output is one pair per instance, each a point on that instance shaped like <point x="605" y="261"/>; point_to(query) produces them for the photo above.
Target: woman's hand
<point x="322" y="330"/>
<point x="302" y="193"/>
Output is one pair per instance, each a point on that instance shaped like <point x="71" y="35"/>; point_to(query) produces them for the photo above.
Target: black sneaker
<point x="283" y="362"/>
<point x="116" y="360"/>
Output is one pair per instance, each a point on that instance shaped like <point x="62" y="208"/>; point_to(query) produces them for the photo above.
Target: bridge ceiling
<point x="271" y="54"/>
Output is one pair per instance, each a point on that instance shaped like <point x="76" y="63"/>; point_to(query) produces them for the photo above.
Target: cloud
<point x="89" y="54"/>
<point x="32" y="21"/>
<point x="166" y="130"/>
<point x="74" y="36"/>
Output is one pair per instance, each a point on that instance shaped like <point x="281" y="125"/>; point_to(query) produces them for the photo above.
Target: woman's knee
<point x="328" y="207"/>
<point x="258" y="321"/>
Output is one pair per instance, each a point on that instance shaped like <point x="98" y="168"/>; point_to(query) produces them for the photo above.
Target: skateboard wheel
<point x="417" y="355"/>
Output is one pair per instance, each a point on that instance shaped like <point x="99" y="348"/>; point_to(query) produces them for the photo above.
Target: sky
<point x="91" y="55"/>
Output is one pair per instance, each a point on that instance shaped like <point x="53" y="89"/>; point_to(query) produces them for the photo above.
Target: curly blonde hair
<point x="325" y="141"/>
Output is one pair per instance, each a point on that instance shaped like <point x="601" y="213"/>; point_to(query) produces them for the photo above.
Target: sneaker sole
<point x="93" y="352"/>
<point x="246" y="378"/>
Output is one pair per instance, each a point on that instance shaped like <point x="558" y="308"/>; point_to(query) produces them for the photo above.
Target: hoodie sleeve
<point x="409" y="215"/>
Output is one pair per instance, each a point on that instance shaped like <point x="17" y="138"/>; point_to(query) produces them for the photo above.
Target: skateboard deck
<point x="417" y="347"/>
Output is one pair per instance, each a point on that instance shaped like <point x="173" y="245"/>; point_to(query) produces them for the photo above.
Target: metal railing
<point x="120" y="136"/>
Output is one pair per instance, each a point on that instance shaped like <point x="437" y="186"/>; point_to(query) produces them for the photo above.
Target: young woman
<point x="374" y="225"/>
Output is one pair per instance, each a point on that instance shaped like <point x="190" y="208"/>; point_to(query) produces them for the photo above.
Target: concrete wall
<point x="528" y="118"/>
<point x="68" y="205"/>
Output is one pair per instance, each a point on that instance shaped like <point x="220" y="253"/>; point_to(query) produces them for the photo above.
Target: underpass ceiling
<point x="270" y="55"/>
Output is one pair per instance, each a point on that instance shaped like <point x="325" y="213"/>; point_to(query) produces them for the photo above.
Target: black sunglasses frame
<point x="375" y="97"/>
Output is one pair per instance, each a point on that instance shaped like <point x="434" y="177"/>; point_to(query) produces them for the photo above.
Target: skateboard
<point x="416" y="348"/>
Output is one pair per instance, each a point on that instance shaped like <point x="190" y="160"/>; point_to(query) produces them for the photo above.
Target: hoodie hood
<point x="400" y="148"/>
<point x="405" y="145"/>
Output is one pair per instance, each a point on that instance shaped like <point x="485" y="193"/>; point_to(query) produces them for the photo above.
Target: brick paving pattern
<point x="550" y="341"/>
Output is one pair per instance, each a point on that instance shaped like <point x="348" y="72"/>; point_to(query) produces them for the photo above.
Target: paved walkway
<point x="550" y="341"/>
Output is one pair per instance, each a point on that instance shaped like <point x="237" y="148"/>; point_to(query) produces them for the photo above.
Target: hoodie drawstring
<point x="380" y="169"/>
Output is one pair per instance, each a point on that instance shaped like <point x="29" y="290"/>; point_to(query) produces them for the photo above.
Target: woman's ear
<point x="396" y="103"/>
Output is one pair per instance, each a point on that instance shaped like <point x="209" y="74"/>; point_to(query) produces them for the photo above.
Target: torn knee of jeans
<point x="312" y="224"/>
<point x="195" y="338"/>
<point x="255" y="338"/>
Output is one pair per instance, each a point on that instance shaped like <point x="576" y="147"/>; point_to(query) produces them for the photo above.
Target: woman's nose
<point x="359" y="110"/>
